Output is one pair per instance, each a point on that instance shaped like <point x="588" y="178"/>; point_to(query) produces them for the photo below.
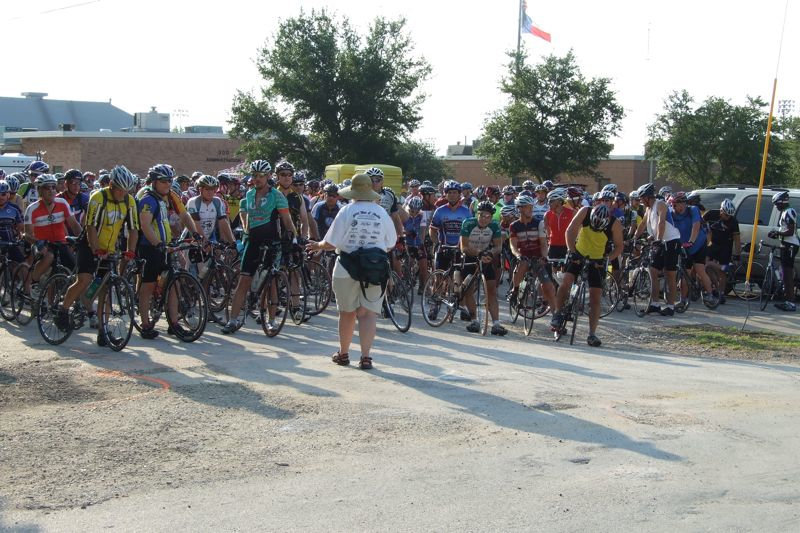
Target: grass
<point x="733" y="339"/>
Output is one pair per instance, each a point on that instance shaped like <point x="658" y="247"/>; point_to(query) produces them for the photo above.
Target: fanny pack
<point x="368" y="266"/>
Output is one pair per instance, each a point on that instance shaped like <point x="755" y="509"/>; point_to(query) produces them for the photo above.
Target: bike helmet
<point x="607" y="195"/>
<point x="160" y="171"/>
<point x="610" y="187"/>
<point x="599" y="217"/>
<point x="13" y="182"/>
<point x="620" y="197"/>
<point x="540" y="188"/>
<point x="509" y="189"/>
<point x="299" y="177"/>
<point x="509" y="211"/>
<point x="84" y="187"/>
<point x="693" y="198"/>
<point x="331" y="189"/>
<point x="207" y="181"/>
<point x="104" y="180"/>
<point x="415" y="204"/>
<point x="427" y="182"/>
<point x="557" y="195"/>
<point x="185" y="179"/>
<point x="347" y="183"/>
<point x="284" y="166"/>
<point x="596" y="196"/>
<point x="528" y="185"/>
<point x="414" y="183"/>
<point x="487" y="206"/>
<point x="374" y="172"/>
<point x="664" y="191"/>
<point x="427" y="189"/>
<point x="780" y="198"/>
<point x="175" y="186"/>
<point x="223" y="179"/>
<point x="451" y="185"/>
<point x="574" y="192"/>
<point x="492" y="190"/>
<point x="73" y="174"/>
<point x="4" y="188"/>
<point x="648" y="189"/>
<point x="634" y="195"/>
<point x="260" y="166"/>
<point x="121" y="177"/>
<point x="466" y="185"/>
<point x="549" y="184"/>
<point x="527" y="193"/>
<point x="678" y="197"/>
<point x="522" y="200"/>
<point x="37" y="167"/>
<point x="59" y="176"/>
<point x="45" y="179"/>
<point x="89" y="174"/>
<point x="727" y="207"/>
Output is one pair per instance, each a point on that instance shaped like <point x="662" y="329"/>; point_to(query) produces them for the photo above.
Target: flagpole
<point x="519" y="31"/>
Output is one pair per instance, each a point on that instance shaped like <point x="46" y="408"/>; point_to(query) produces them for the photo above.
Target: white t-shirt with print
<point x="360" y="225"/>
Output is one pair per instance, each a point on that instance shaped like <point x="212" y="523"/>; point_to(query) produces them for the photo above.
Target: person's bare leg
<point x="594" y="309"/>
<point x="672" y="287"/>
<point x="347" y="325"/>
<point x="366" y="330"/>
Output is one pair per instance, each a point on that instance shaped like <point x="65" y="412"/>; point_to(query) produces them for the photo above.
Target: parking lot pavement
<point x="450" y="432"/>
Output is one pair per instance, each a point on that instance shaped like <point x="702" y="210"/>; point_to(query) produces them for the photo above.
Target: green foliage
<point x="716" y="142"/>
<point x="419" y="160"/>
<point x="556" y="120"/>
<point x="332" y="94"/>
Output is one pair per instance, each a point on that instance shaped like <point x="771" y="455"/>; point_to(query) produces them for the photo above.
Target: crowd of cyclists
<point x="118" y="251"/>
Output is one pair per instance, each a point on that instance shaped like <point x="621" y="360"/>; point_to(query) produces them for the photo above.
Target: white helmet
<point x="122" y="178"/>
<point x="727" y="207"/>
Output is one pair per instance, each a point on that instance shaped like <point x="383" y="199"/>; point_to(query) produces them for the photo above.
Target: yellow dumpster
<point x="392" y="176"/>
<point x="339" y="173"/>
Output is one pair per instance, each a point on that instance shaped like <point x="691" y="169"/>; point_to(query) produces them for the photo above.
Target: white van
<point x="744" y="198"/>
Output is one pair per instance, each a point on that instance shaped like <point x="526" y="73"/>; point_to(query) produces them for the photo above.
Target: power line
<point x="56" y="9"/>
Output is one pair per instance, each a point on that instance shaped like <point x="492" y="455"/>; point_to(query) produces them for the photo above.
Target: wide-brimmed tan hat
<point x="359" y="189"/>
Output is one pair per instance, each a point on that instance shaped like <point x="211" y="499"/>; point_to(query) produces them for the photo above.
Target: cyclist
<point x="528" y="185"/>
<point x="299" y="187"/>
<point x="587" y="235"/>
<point x="415" y="234"/>
<point x="261" y="208"/>
<point x="467" y="198"/>
<point x="46" y="223"/>
<point x="109" y="210"/>
<point x="636" y="204"/>
<point x="695" y="200"/>
<point x="480" y="241"/>
<point x="549" y="185"/>
<point x="541" y="205"/>
<point x="77" y="200"/>
<point x="153" y="210"/>
<point x="725" y="241"/>
<point x="324" y="212"/>
<point x="660" y="226"/>
<point x="529" y="241"/>
<point x="693" y="239"/>
<point x="11" y="226"/>
<point x="665" y="192"/>
<point x="556" y="222"/>
<point x="28" y="190"/>
<point x="14" y="181"/>
<point x="445" y="229"/>
<point x="413" y="190"/>
<point x="787" y="232"/>
<point x="388" y="200"/>
<point x="209" y="211"/>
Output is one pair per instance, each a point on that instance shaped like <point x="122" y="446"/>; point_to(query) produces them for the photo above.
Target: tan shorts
<point x="349" y="296"/>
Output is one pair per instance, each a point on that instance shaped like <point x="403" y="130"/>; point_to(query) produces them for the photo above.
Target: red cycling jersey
<point x="50" y="226"/>
<point x="557" y="226"/>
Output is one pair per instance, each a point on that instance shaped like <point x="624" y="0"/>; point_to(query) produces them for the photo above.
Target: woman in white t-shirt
<point x="360" y="224"/>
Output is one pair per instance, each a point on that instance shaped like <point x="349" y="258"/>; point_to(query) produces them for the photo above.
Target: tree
<point x="419" y="160"/>
<point x="332" y="94"/>
<point x="717" y="142"/>
<point x="556" y="120"/>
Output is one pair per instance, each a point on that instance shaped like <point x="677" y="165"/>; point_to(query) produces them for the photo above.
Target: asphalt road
<point x="449" y="432"/>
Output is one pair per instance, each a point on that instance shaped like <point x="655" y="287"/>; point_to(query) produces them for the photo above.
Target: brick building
<point x="138" y="151"/>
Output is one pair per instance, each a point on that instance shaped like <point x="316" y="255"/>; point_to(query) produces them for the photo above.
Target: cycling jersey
<point x="109" y="217"/>
<point x="50" y="226"/>
<point x="539" y="210"/>
<point x="684" y="224"/>
<point x="388" y="200"/>
<point x="207" y="213"/>
<point x="448" y="221"/>
<point x="79" y="204"/>
<point x="479" y="238"/>
<point x="527" y="235"/>
<point x="412" y="227"/>
<point x="233" y="207"/>
<point x="154" y="204"/>
<point x="265" y="213"/>
<point x="592" y="243"/>
<point x="671" y="233"/>
<point x="557" y="225"/>
<point x="722" y="235"/>
<point x="324" y="215"/>
<point x="27" y="191"/>
<point x="784" y="224"/>
<point x="295" y="203"/>
<point x="10" y="218"/>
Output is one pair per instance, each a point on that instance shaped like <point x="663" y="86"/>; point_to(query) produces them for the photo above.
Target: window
<point x="57" y="169"/>
<point x="747" y="210"/>
<point x="712" y="200"/>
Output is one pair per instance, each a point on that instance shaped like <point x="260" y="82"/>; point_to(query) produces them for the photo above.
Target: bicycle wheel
<point x="710" y="301"/>
<point x="50" y="299"/>
<point x="6" y="293"/>
<point x="437" y="299"/>
<point x="218" y="288"/>
<point x="320" y="287"/>
<point x="192" y="306"/>
<point x="21" y="301"/>
<point x="399" y="303"/>
<point x="739" y="278"/>
<point x="115" y="313"/>
<point x="610" y="296"/>
<point x="767" y="288"/>
<point x="577" y="308"/>
<point x="641" y="291"/>
<point x="299" y="296"/>
<point x="275" y="297"/>
<point x="482" y="305"/>
<point x="527" y="306"/>
<point x="681" y="282"/>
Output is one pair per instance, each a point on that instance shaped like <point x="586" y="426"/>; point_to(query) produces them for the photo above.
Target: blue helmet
<point x="37" y="167"/>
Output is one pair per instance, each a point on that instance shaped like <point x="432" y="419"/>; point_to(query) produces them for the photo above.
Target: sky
<point x="190" y="58"/>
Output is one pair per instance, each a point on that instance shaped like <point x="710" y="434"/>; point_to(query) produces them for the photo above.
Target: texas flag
<point x="528" y="27"/>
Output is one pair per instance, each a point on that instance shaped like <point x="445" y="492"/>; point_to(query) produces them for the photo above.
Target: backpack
<point x="368" y="266"/>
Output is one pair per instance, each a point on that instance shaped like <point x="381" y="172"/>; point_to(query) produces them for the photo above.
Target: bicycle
<point x="25" y="291"/>
<point x="174" y="282"/>
<point x="269" y="293"/>
<point x="773" y="276"/>
<point x="6" y="281"/>
<point x="528" y="302"/>
<point x="439" y="291"/>
<point x="398" y="302"/>
<point x="576" y="303"/>
<point x="115" y="306"/>
<point x="215" y="276"/>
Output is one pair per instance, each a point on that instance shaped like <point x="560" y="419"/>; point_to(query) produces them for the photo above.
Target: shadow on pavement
<point x="15" y="527"/>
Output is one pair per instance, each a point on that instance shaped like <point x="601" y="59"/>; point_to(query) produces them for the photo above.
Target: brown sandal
<point x="341" y="359"/>
<point x="365" y="363"/>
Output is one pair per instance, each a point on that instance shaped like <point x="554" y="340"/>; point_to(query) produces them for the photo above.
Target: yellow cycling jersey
<point x="233" y="207"/>
<point x="591" y="243"/>
<point x="108" y="217"/>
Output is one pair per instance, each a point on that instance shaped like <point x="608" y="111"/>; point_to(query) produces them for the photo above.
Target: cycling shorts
<point x="557" y="252"/>
<point x="666" y="257"/>
<point x="155" y="262"/>
<point x="488" y="269"/>
<point x="87" y="261"/>
<point x="595" y="274"/>
<point x="445" y="257"/>
<point x="697" y="258"/>
<point x="64" y="254"/>
<point x="788" y="254"/>
<point x="14" y="253"/>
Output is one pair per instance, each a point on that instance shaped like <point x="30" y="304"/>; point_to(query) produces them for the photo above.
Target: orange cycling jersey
<point x="49" y="225"/>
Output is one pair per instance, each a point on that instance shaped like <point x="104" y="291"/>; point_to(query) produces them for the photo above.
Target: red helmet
<point x="574" y="192"/>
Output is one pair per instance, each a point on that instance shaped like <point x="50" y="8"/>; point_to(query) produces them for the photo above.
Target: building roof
<point x="115" y="135"/>
<point x="35" y="111"/>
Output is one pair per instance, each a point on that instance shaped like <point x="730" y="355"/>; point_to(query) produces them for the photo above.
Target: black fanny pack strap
<point x="368" y="266"/>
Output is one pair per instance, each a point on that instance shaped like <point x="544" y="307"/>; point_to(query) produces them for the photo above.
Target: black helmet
<point x="486" y="205"/>
<point x="648" y="189"/>
<point x="331" y="189"/>
<point x="73" y="174"/>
